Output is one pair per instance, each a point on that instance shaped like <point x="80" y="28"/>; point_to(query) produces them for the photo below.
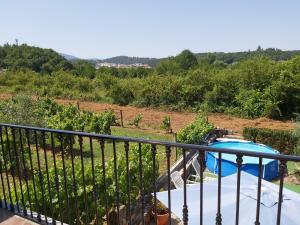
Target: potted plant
<point x="162" y="214"/>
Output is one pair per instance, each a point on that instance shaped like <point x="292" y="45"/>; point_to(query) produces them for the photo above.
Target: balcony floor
<point x="9" y="218"/>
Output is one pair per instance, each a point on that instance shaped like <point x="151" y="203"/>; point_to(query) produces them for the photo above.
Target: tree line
<point x="266" y="83"/>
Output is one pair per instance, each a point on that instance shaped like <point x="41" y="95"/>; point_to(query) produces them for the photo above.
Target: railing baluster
<point x="12" y="169"/>
<point x="282" y="171"/>
<point x="258" y="191"/>
<point x="25" y="170"/>
<point x="126" y="146"/>
<point x="201" y="157"/>
<point x="116" y="181"/>
<point x="56" y="177"/>
<point x="80" y="140"/>
<point x="47" y="174"/>
<point x="95" y="193"/>
<point x="104" y="177"/>
<point x="40" y="175"/>
<point x="74" y="185"/>
<point x="239" y="161"/>
<point x="168" y="155"/>
<point x="185" y="207"/>
<point x="6" y="173"/>
<point x="18" y="161"/>
<point x="219" y="215"/>
<point x="61" y="140"/>
<point x="32" y="175"/>
<point x="153" y="150"/>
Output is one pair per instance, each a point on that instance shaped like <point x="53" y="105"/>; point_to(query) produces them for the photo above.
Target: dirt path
<point x="152" y="118"/>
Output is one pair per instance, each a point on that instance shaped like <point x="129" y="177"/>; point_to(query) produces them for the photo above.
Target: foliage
<point x="101" y="124"/>
<point x="21" y="109"/>
<point x="195" y="132"/>
<point x="136" y="120"/>
<point x="27" y="57"/>
<point x="61" y="205"/>
<point x="84" y="68"/>
<point x="166" y="124"/>
<point x="297" y="137"/>
<point x="262" y="83"/>
<point x="281" y="140"/>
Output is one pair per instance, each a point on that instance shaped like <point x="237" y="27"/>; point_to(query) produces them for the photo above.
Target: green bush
<point x="297" y="137"/>
<point x="196" y="131"/>
<point x="67" y="187"/>
<point x="281" y="140"/>
<point x="136" y="120"/>
<point x="166" y="124"/>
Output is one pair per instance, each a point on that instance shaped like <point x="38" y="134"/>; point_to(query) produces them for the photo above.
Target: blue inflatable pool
<point x="250" y="164"/>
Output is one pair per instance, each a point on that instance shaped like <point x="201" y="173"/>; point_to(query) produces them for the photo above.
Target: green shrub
<point x="281" y="140"/>
<point x="166" y="124"/>
<point x="196" y="131"/>
<point x="101" y="124"/>
<point x="297" y="137"/>
<point x="42" y="189"/>
<point x="136" y="120"/>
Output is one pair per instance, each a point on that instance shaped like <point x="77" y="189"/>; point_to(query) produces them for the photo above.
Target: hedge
<point x="282" y="140"/>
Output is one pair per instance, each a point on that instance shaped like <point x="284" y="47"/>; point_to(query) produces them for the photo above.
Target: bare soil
<point x="152" y="118"/>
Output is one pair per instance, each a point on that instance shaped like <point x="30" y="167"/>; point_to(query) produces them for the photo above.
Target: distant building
<point x="119" y="65"/>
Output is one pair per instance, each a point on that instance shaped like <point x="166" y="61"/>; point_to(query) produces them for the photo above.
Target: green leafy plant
<point x="136" y="120"/>
<point x="166" y="124"/>
<point x="195" y="131"/>
<point x="282" y="140"/>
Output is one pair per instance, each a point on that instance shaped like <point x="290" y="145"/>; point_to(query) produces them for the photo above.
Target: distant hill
<point x="232" y="57"/>
<point x="33" y="58"/>
<point x="131" y="60"/>
<point x="69" y="57"/>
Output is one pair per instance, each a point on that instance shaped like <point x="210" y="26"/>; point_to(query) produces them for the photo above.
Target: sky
<point x="153" y="28"/>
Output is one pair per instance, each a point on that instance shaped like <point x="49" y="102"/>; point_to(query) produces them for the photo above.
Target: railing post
<point x="168" y="155"/>
<point x="219" y="215"/>
<point x="126" y="147"/>
<point x="185" y="206"/>
<point x="239" y="161"/>
<point x="282" y="171"/>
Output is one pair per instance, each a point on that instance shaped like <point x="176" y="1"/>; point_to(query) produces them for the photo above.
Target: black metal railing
<point x="53" y="176"/>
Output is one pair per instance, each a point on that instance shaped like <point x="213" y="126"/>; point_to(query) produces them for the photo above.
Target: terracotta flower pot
<point x="162" y="219"/>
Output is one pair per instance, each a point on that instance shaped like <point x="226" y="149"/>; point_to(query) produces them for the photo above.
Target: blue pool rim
<point x="250" y="164"/>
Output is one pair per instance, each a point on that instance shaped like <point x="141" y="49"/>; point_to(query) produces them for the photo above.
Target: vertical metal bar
<point x="47" y="174"/>
<point x="104" y="176"/>
<point x="6" y="173"/>
<point x="80" y="140"/>
<point x="3" y="187"/>
<point x="239" y="161"/>
<point x="12" y="169"/>
<point x="40" y="175"/>
<point x="95" y="194"/>
<point x="168" y="155"/>
<point x="282" y="171"/>
<point x="56" y="177"/>
<point x="18" y="161"/>
<point x="25" y="170"/>
<point x="258" y="191"/>
<point x="61" y="140"/>
<point x="219" y="215"/>
<point x="126" y="146"/>
<point x="116" y="181"/>
<point x="32" y="175"/>
<point x="74" y="185"/>
<point x="153" y="150"/>
<point x="201" y="156"/>
<point x="185" y="207"/>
